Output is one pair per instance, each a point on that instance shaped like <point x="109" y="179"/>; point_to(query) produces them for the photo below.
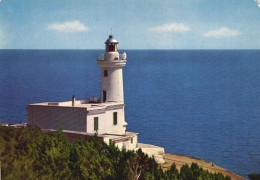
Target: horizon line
<point x="134" y="49"/>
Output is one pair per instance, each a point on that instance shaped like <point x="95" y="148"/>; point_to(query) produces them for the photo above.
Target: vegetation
<point x="254" y="176"/>
<point x="28" y="153"/>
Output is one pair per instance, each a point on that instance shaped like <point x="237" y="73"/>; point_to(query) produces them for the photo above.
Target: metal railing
<point x="102" y="57"/>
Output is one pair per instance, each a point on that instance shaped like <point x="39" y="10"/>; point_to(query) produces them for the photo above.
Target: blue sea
<point x="201" y="103"/>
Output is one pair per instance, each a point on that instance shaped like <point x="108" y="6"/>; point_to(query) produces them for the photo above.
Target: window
<point x="111" y="47"/>
<point x="115" y="118"/>
<point x="105" y="73"/>
<point x="95" y="123"/>
<point x="131" y="140"/>
<point x="104" y="96"/>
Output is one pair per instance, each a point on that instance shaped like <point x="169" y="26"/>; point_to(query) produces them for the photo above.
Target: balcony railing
<point x="101" y="56"/>
<point x="121" y="57"/>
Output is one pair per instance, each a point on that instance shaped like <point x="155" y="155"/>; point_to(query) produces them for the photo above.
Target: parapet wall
<point x="151" y="150"/>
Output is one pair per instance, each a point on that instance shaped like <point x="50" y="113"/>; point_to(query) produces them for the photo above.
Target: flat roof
<point x="87" y="104"/>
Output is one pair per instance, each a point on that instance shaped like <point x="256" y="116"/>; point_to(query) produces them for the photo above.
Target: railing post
<point x="101" y="57"/>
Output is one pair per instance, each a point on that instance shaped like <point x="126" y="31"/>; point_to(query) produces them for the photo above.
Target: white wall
<point x="76" y="119"/>
<point x="151" y="150"/>
<point x="127" y="144"/>
<point x="105" y="122"/>
<point x="52" y="117"/>
<point x="112" y="84"/>
<point x="110" y="56"/>
<point x="132" y="146"/>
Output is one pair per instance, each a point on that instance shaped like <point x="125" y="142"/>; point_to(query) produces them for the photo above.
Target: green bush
<point x="254" y="176"/>
<point x="29" y="153"/>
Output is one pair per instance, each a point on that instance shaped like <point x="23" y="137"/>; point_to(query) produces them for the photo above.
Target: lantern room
<point x="111" y="44"/>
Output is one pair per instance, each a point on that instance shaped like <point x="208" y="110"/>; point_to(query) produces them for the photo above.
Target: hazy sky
<point x="136" y="24"/>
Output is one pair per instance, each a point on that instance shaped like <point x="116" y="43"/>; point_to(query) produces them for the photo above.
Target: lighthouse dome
<point x="111" y="40"/>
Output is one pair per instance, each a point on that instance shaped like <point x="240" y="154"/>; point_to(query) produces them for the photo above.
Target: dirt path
<point x="180" y="160"/>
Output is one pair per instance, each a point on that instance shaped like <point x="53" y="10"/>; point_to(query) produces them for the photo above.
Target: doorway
<point x="104" y="96"/>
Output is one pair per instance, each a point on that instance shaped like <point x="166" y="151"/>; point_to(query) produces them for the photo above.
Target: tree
<point x="29" y="153"/>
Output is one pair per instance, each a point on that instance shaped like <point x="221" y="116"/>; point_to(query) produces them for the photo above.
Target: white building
<point x="105" y="116"/>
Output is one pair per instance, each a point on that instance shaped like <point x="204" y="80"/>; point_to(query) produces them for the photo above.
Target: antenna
<point x="111" y="31"/>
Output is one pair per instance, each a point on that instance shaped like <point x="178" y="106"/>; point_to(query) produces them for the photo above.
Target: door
<point x="104" y="96"/>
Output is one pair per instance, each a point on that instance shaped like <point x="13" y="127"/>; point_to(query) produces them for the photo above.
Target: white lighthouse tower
<point x="111" y="64"/>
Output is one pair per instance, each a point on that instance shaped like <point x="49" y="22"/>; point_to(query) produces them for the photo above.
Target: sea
<point x="200" y="103"/>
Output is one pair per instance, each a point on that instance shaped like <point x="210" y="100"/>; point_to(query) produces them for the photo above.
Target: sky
<point x="136" y="24"/>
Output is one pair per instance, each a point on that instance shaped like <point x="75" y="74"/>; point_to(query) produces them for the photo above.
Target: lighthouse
<point x="112" y="64"/>
<point x="104" y="117"/>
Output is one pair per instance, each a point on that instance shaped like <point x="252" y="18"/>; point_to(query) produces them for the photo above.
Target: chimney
<point x="73" y="100"/>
